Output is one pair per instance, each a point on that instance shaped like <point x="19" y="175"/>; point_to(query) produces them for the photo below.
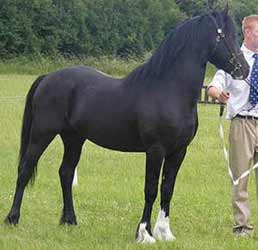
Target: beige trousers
<point x="243" y="153"/>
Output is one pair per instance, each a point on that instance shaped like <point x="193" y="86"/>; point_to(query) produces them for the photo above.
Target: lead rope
<point x="225" y="151"/>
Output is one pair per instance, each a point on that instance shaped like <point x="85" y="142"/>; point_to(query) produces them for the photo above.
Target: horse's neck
<point x="187" y="70"/>
<point x="190" y="62"/>
<point x="186" y="78"/>
<point x="190" y="69"/>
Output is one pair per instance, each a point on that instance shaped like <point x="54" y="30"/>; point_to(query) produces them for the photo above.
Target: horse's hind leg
<point x="26" y="169"/>
<point x="72" y="151"/>
<point x="170" y="169"/>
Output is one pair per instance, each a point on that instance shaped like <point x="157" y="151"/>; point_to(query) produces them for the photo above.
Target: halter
<point x="221" y="36"/>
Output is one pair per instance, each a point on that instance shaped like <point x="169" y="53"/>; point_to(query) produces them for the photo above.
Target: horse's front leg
<point x="170" y="169"/>
<point x="154" y="159"/>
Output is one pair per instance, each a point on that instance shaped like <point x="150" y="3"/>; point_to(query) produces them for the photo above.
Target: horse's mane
<point x="184" y="35"/>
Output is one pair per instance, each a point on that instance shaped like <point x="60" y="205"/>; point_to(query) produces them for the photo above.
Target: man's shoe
<point x="243" y="231"/>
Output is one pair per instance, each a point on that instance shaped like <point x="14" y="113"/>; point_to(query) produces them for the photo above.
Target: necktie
<point x="253" y="96"/>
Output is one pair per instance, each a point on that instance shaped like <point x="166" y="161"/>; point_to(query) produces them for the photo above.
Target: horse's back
<point x="57" y="90"/>
<point x="90" y="102"/>
<point x="61" y="84"/>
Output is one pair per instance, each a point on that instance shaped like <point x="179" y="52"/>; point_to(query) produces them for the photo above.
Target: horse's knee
<point x="65" y="173"/>
<point x="150" y="196"/>
<point x="62" y="172"/>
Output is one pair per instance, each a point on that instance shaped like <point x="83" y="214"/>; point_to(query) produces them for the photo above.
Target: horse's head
<point x="225" y="52"/>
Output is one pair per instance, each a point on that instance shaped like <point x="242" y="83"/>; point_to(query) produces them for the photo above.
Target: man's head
<point x="250" y="32"/>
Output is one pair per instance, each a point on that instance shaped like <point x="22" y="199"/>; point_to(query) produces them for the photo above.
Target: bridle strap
<point x="221" y="36"/>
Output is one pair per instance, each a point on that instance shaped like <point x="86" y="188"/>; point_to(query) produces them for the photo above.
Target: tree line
<point x="98" y="27"/>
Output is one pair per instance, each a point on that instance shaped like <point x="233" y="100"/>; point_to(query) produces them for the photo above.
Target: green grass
<point x="109" y="198"/>
<point x="41" y="65"/>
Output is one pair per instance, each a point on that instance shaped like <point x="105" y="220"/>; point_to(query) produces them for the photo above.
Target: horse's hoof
<point x="143" y="236"/>
<point x="68" y="220"/>
<point x="12" y="220"/>
<point x="162" y="228"/>
<point x="163" y="233"/>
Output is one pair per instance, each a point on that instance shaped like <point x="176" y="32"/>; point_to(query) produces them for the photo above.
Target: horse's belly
<point x="116" y="141"/>
<point x="113" y="135"/>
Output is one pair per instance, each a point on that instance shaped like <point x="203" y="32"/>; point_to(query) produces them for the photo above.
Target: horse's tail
<point x="27" y="121"/>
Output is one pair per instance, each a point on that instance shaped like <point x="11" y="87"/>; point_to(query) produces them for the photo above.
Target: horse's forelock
<point x="223" y="20"/>
<point x="228" y="23"/>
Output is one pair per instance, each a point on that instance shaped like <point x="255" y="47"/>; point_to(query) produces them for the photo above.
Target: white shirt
<point x="239" y="90"/>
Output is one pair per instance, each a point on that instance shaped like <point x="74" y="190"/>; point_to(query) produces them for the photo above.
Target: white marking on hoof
<point x="162" y="229"/>
<point x="143" y="235"/>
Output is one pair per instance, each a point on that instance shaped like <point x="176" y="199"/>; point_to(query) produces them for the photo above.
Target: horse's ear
<point x="225" y="11"/>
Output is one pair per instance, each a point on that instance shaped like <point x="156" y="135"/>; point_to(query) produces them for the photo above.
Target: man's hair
<point x="249" y="21"/>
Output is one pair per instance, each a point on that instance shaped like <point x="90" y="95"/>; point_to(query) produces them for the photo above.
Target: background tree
<point x="98" y="27"/>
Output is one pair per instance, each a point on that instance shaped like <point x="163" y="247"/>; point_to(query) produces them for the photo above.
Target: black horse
<point x="152" y="110"/>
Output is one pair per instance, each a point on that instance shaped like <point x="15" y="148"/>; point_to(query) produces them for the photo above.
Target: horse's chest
<point x="176" y="128"/>
<point x="171" y="130"/>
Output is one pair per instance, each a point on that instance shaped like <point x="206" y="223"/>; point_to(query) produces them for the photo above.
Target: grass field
<point x="109" y="198"/>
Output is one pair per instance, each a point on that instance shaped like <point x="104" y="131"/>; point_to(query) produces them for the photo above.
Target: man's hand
<point x="221" y="96"/>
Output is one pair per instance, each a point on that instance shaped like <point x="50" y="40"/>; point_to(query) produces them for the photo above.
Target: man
<point x="242" y="110"/>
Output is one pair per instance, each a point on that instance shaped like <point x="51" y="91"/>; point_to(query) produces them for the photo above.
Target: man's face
<point x="251" y="35"/>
